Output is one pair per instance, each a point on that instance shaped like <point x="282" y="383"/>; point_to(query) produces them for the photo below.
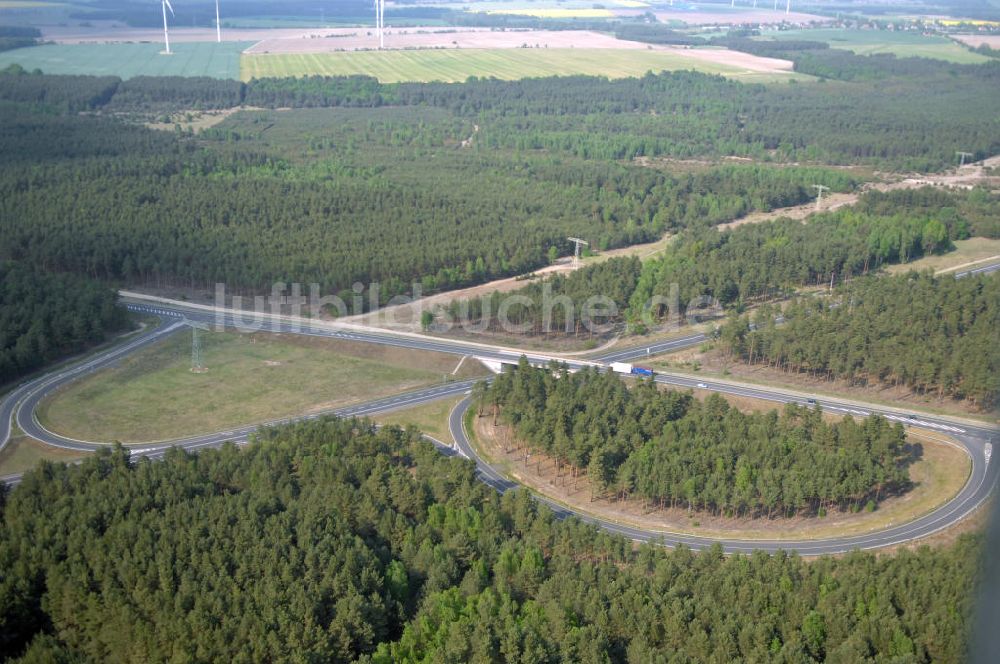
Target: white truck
<point x="988" y="452"/>
<point x="631" y="369"/>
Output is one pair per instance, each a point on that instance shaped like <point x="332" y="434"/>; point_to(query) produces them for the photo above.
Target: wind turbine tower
<point x="819" y="193"/>
<point x="380" y="22"/>
<point x="218" y="24"/>
<point x="576" y="251"/>
<point x="165" y="4"/>
<point x="788" y="7"/>
<point x="962" y="156"/>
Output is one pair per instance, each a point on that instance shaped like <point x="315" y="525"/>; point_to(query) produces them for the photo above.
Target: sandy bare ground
<point x="975" y="41"/>
<point x="830" y="202"/>
<point x="407" y="316"/>
<point x="962" y="178"/>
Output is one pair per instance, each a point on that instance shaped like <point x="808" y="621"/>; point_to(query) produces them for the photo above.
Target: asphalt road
<point x="22" y="402"/>
<point x="239" y="435"/>
<point x="971" y="437"/>
<point x="638" y="352"/>
<point x="986" y="269"/>
<point x="980" y="484"/>
<point x="20" y="405"/>
<point x="9" y="404"/>
<point x="333" y="331"/>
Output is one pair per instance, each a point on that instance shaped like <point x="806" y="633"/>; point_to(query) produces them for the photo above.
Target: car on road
<point x="703" y="386"/>
<point x="811" y="401"/>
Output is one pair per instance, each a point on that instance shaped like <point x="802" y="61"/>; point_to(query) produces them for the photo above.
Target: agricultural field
<point x="34" y="13"/>
<point x="128" y="60"/>
<point x="27" y="4"/>
<point x="975" y="41"/>
<point x="453" y="65"/>
<point x="361" y="39"/>
<point x="902" y="44"/>
<point x="544" y="8"/>
<point x="558" y="12"/>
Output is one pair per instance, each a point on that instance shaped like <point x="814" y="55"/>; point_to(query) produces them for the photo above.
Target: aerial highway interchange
<point x="975" y="439"/>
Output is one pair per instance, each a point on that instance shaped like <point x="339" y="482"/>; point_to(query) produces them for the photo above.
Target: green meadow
<point x="128" y="60"/>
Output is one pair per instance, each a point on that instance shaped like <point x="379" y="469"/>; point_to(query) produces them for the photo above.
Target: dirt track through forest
<point x="406" y="317"/>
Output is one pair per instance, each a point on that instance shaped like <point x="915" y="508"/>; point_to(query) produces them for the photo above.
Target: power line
<point x="197" y="359"/>
<point x="576" y="251"/>
<point x="819" y="193"/>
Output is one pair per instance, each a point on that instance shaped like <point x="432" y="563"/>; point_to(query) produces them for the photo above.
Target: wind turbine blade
<point x="167" y="2"/>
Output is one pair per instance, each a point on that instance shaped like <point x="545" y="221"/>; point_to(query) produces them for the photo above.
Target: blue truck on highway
<point x="626" y="368"/>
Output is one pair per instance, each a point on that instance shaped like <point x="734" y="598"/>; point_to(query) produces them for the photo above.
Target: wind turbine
<point x="166" y="34"/>
<point x="218" y="25"/>
<point x="788" y="7"/>
<point x="380" y="22"/>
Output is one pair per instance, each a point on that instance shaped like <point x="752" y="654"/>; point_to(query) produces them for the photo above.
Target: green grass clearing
<point x="455" y="65"/>
<point x="902" y="44"/>
<point x="129" y="60"/>
<point x="22" y="453"/>
<point x="431" y="418"/>
<point x="966" y="251"/>
<point x="153" y="395"/>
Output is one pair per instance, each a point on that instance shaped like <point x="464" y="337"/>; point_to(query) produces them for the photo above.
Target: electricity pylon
<point x="576" y="251"/>
<point x="819" y="193"/>
<point x="197" y="363"/>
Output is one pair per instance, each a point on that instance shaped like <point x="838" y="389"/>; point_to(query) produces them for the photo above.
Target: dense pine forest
<point x="751" y="263"/>
<point x="332" y="542"/>
<point x="45" y="316"/>
<point x="335" y="197"/>
<point x="758" y="261"/>
<point x="933" y="335"/>
<point x="669" y="449"/>
<point x="342" y="195"/>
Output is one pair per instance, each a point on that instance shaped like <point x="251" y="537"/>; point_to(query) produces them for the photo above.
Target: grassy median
<point x="431" y="418"/>
<point x="153" y="395"/>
